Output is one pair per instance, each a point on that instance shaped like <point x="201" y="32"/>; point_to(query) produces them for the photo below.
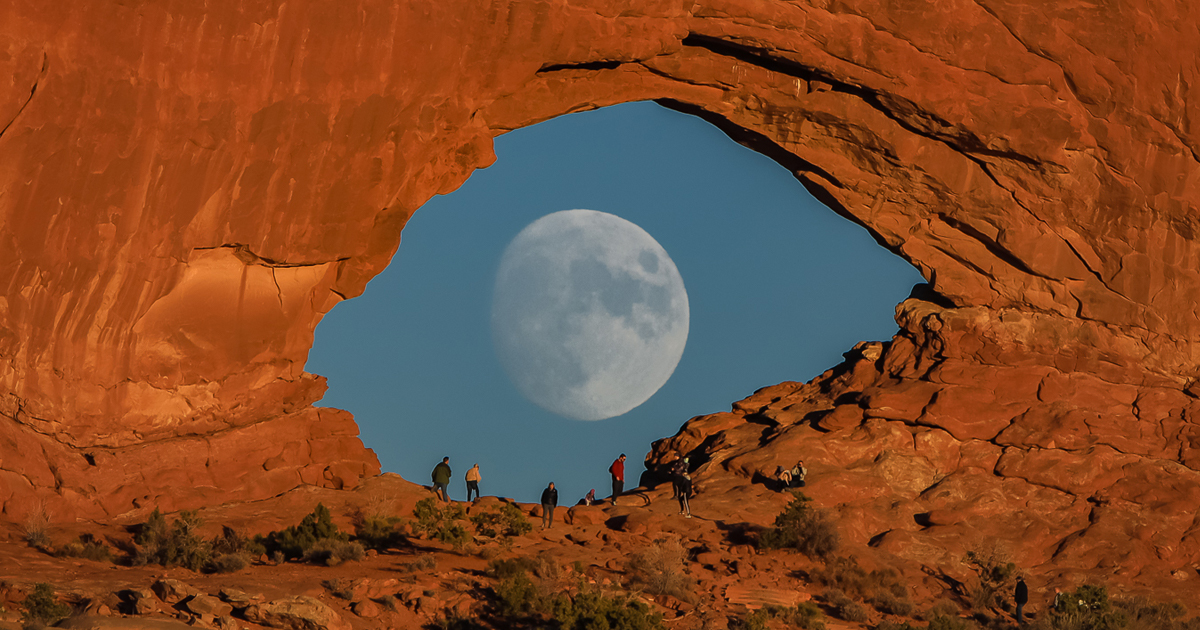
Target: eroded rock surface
<point x="186" y="190"/>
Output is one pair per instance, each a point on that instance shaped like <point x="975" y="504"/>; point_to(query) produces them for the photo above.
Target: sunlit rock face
<point x="186" y="189"/>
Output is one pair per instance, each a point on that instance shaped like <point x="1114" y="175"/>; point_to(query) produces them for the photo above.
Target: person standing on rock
<point x="617" y="470"/>
<point x="678" y="470"/>
<point x="473" y="479"/>
<point x="1021" y="596"/>
<point x="441" y="479"/>
<point x="549" y="502"/>
<point x="685" y="492"/>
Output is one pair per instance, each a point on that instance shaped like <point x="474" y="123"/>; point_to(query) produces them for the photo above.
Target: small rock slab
<point x="89" y="622"/>
<point x="208" y="605"/>
<point x="296" y="613"/>
<point x="755" y="598"/>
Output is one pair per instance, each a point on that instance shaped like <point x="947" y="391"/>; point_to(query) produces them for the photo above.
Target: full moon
<point x="589" y="316"/>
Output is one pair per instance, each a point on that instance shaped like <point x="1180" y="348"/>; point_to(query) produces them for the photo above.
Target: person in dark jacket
<point x="549" y="501"/>
<point x="1021" y="596"/>
<point x="685" y="492"/>
<point x="678" y="470"/>
<point x="441" y="479"/>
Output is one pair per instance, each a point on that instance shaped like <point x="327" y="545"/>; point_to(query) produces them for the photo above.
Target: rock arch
<point x="185" y="191"/>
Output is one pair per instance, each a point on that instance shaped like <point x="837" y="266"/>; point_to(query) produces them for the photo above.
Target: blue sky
<point x="779" y="287"/>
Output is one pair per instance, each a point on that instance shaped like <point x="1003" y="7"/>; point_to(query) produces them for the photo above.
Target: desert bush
<point x="41" y="608"/>
<point x="590" y="609"/>
<point x="441" y="523"/>
<point x="297" y="540"/>
<point x="1144" y="615"/>
<point x="339" y="587"/>
<point x="233" y="542"/>
<point x="505" y="520"/>
<point x="996" y="578"/>
<point x="882" y="588"/>
<point x="86" y="547"/>
<point x="502" y="569"/>
<point x="801" y="527"/>
<point x="380" y="533"/>
<point x="892" y="625"/>
<point x="805" y="615"/>
<point x="1089" y="608"/>
<point x="454" y="622"/>
<point x="660" y="569"/>
<point x="843" y="607"/>
<point x="331" y="552"/>
<point x="950" y="622"/>
<point x="174" y="545"/>
<point x="227" y="563"/>
<point x="887" y="602"/>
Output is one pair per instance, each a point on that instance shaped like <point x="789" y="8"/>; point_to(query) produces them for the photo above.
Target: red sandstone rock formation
<point x="185" y="191"/>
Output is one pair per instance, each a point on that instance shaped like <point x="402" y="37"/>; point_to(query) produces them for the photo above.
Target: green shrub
<point x="232" y="542"/>
<point x="660" y="570"/>
<point x="805" y="615"/>
<point x="801" y="527"/>
<point x="40" y="607"/>
<point x="331" y="552"/>
<point x="882" y="588"/>
<point x="381" y="532"/>
<point x="176" y="545"/>
<point x="442" y="523"/>
<point x="454" y="622"/>
<point x="502" y="569"/>
<point x="843" y="607"/>
<point x="590" y="609"/>
<point x="86" y="547"/>
<point x="1144" y="615"/>
<point x="506" y="520"/>
<point x="295" y="541"/>
<point x="950" y="622"/>
<point x="518" y="596"/>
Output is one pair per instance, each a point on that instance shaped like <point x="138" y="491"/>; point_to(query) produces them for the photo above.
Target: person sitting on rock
<point x="590" y="498"/>
<point x="798" y="473"/>
<point x="784" y="476"/>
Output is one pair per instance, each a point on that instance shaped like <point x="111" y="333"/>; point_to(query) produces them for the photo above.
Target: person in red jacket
<point x="617" y="470"/>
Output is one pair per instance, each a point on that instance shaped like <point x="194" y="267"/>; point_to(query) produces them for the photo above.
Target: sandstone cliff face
<point x="186" y="189"/>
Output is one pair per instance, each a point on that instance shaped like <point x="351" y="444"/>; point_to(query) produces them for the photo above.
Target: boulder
<point x="296" y="613"/>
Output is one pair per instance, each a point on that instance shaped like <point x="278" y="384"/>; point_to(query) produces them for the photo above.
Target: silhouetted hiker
<point x="1021" y="596"/>
<point x="473" y="478"/>
<point x="685" y="491"/>
<point x="441" y="479"/>
<point x="798" y="473"/>
<point x="617" y="470"/>
<point x="678" y="470"/>
<point x="549" y="501"/>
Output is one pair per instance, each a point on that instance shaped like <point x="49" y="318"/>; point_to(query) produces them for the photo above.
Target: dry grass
<point x="660" y="569"/>
<point x="37" y="526"/>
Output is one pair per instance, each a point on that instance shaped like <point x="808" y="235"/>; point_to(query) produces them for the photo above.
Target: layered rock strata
<point x="185" y="190"/>
<point x="979" y="431"/>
